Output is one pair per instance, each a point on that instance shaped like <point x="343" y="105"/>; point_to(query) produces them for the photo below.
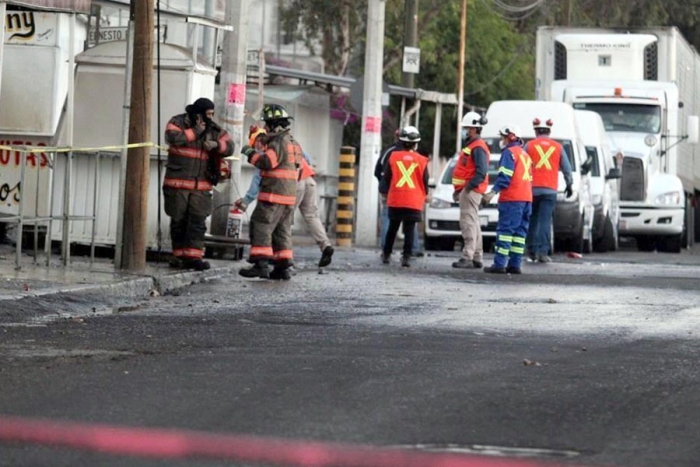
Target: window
<point x="635" y="118"/>
<point x="592" y="154"/>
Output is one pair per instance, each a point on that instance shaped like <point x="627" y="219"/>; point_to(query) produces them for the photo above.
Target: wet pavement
<point x="590" y="361"/>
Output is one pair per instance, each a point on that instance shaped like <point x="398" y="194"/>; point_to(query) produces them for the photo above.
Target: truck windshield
<point x="637" y="118"/>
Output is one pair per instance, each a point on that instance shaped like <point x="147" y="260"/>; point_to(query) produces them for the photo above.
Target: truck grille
<point x="632" y="184"/>
<point x="651" y="62"/>
<point x="559" y="60"/>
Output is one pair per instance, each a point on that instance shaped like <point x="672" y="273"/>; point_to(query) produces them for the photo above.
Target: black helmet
<point x="274" y="112"/>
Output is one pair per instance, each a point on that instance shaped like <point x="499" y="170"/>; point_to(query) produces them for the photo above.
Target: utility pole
<point x="231" y="103"/>
<point x="410" y="37"/>
<point x="209" y="36"/>
<point x="460" y="93"/>
<point x="370" y="145"/>
<point x="138" y="159"/>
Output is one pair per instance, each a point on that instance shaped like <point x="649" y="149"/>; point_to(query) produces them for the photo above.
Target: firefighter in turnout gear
<point x="405" y="185"/>
<point x="548" y="159"/>
<point x="471" y="180"/>
<point x="196" y="164"/>
<point x="514" y="187"/>
<point x="279" y="159"/>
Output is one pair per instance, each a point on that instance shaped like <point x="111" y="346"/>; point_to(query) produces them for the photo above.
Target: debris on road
<point x="527" y="362"/>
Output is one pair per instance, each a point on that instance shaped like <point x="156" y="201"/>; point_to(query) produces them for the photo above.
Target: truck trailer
<point x="644" y="84"/>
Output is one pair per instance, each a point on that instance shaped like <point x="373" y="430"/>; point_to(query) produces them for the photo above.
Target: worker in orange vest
<point x="405" y="185"/>
<point x="514" y="188"/>
<point x="548" y="159"/>
<point x="471" y="180"/>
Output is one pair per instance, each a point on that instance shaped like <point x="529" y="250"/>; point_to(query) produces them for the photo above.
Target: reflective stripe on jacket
<point x="546" y="158"/>
<point x="279" y="168"/>
<point x="520" y="188"/>
<point x="407" y="188"/>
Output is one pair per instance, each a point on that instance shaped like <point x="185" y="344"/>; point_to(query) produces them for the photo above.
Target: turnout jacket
<point x="279" y="168"/>
<point x="190" y="166"/>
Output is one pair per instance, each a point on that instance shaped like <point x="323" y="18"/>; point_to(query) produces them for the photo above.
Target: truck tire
<point x="671" y="244"/>
<point x="607" y="241"/>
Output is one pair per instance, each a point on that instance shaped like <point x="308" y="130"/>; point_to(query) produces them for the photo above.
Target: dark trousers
<point x="540" y="234"/>
<point x="409" y="232"/>
<point x="188" y="210"/>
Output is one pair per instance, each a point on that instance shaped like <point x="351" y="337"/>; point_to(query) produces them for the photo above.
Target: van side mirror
<point x="693" y="129"/>
<point x="614" y="174"/>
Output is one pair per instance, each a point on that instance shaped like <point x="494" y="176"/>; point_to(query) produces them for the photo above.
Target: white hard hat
<point x="473" y="120"/>
<point x="409" y="134"/>
<point x="510" y="130"/>
<point x="541" y="123"/>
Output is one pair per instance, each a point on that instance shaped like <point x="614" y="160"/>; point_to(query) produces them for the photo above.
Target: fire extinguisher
<point x="234" y="223"/>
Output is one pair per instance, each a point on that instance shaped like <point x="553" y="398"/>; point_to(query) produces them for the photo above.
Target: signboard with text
<point x="31" y="27"/>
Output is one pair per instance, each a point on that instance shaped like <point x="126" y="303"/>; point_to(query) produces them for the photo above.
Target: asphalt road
<point x="588" y="362"/>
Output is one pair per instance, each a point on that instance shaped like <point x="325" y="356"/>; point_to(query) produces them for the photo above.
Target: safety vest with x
<point x="544" y="157"/>
<point x="527" y="164"/>
<point x="406" y="174"/>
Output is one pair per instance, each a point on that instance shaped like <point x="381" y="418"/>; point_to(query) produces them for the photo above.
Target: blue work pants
<point x="511" y="232"/>
<point x="539" y="237"/>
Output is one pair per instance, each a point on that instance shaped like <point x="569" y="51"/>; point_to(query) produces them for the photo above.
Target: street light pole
<point x="370" y="144"/>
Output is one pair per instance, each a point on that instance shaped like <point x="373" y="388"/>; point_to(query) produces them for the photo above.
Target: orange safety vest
<point x="546" y="156"/>
<point x="407" y="189"/>
<point x="306" y="170"/>
<point x="520" y="188"/>
<point x="466" y="167"/>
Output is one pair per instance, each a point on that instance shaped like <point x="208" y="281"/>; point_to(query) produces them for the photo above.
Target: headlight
<point x="668" y="199"/>
<point x="650" y="140"/>
<point x="437" y="203"/>
<point x="597" y="199"/>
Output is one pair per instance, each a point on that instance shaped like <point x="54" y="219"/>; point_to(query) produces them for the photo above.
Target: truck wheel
<point x="671" y="244"/>
<point x="607" y="241"/>
<point x="646" y="243"/>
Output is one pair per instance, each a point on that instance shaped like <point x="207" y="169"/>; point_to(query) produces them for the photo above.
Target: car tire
<point x="607" y="241"/>
<point x="671" y="244"/>
<point x="432" y="243"/>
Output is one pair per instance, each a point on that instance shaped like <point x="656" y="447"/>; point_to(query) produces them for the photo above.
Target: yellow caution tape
<point x="42" y="149"/>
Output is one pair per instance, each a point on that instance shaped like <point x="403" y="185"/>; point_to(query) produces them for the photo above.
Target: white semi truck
<point x="645" y="84"/>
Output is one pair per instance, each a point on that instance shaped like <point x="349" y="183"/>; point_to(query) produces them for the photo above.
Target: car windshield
<point x="566" y="143"/>
<point x="447" y="177"/>
<point x="636" y="118"/>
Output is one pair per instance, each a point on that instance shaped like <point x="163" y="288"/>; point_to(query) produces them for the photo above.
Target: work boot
<point x="532" y="256"/>
<point x="543" y="258"/>
<point x="386" y="259"/>
<point x="326" y="257"/>
<point x="175" y="262"/>
<point x="406" y="261"/>
<point x="196" y="264"/>
<point x="280" y="274"/>
<point x="512" y="270"/>
<point x="419" y="254"/>
<point x="259" y="269"/>
<point x="494" y="270"/>
<point x="478" y="264"/>
<point x="464" y="263"/>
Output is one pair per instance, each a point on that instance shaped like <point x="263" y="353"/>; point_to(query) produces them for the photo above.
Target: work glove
<point x="247" y="151"/>
<point x="569" y="191"/>
<point x="455" y="196"/>
<point x="224" y="170"/>
<point x="486" y="199"/>
<point x="210" y="144"/>
<point x="241" y="204"/>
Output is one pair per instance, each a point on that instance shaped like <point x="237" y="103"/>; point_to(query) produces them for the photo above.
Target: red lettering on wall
<point x="8" y="157"/>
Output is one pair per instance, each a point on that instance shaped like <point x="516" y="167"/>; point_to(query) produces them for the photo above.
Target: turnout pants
<point x="469" y="224"/>
<point x="188" y="211"/>
<point x="511" y="232"/>
<point x="307" y="203"/>
<point x="271" y="234"/>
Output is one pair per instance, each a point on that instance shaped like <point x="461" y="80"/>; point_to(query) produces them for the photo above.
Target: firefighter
<point x="196" y="164"/>
<point x="514" y="187"/>
<point x="307" y="202"/>
<point x="548" y="158"/>
<point x="405" y="185"/>
<point x="471" y="180"/>
<point x="279" y="159"/>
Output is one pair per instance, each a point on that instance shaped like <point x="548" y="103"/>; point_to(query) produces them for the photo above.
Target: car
<point x="442" y="229"/>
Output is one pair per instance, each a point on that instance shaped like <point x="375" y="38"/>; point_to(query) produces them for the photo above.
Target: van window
<point x="592" y="153"/>
<point x="447" y="178"/>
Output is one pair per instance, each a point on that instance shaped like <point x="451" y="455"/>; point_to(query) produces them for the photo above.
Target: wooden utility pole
<point x="138" y="159"/>
<point x="460" y="93"/>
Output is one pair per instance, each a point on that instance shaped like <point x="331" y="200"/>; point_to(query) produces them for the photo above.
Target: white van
<point x="573" y="216"/>
<point x="604" y="176"/>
